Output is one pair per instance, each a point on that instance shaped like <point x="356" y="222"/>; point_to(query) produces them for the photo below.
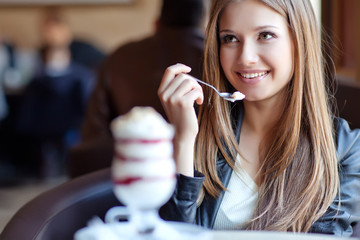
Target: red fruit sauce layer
<point x="131" y="180"/>
<point x="122" y="158"/>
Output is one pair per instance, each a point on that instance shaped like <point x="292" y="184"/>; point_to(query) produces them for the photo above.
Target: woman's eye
<point x="266" y="36"/>
<point x="228" y="39"/>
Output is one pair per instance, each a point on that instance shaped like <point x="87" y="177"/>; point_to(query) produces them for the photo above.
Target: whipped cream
<point x="143" y="123"/>
<point x="237" y="96"/>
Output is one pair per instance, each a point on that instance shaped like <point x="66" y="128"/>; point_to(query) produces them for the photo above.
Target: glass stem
<point x="145" y="220"/>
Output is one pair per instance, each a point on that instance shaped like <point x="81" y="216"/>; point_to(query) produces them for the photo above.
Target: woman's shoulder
<point x="347" y="139"/>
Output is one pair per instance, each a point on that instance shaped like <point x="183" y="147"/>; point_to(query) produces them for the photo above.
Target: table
<point x="183" y="231"/>
<point x="263" y="235"/>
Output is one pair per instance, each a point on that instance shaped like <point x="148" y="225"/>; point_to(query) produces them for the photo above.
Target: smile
<point x="253" y="75"/>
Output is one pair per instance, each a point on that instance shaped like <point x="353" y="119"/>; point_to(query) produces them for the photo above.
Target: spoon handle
<point x="207" y="85"/>
<point x="232" y="97"/>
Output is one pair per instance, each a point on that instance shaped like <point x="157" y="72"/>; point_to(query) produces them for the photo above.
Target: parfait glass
<point x="143" y="173"/>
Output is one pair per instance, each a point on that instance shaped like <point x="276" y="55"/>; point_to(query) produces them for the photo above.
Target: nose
<point x="248" y="54"/>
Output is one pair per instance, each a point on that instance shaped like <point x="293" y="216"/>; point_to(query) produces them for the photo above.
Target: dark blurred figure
<point x="52" y="106"/>
<point x="9" y="73"/>
<point x="16" y="67"/>
<point x="52" y="109"/>
<point x="131" y="75"/>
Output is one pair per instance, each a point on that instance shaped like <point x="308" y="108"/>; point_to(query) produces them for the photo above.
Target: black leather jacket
<point x="182" y="206"/>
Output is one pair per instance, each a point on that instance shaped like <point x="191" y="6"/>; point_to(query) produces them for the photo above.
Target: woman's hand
<point x="178" y="92"/>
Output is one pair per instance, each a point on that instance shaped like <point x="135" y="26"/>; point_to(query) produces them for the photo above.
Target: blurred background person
<point x="52" y="109"/>
<point x="53" y="104"/>
<point x="16" y="69"/>
<point x="130" y="77"/>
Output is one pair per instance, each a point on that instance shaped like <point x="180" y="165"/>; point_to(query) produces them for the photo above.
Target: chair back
<point x="58" y="213"/>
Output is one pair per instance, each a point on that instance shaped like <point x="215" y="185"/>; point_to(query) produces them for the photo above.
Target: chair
<point x="58" y="213"/>
<point x="348" y="98"/>
<point x="89" y="156"/>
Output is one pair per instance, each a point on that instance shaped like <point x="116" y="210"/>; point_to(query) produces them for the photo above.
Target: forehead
<point x="249" y="14"/>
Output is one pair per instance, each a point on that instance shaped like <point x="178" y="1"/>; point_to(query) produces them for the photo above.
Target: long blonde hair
<point x="299" y="174"/>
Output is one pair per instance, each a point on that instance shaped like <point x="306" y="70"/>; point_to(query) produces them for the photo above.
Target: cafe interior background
<point x="111" y="23"/>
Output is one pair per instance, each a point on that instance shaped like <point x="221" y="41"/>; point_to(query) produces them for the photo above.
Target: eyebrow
<point x="265" y="27"/>
<point x="259" y="28"/>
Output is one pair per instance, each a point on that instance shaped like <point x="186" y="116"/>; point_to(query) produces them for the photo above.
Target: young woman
<point x="278" y="160"/>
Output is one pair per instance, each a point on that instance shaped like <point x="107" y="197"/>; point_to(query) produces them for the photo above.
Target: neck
<point x="262" y="116"/>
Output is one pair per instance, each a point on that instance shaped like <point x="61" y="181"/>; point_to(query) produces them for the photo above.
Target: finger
<point x="200" y="99"/>
<point x="195" y="95"/>
<point x="179" y="87"/>
<point x="170" y="73"/>
<point x="181" y="81"/>
<point x="187" y="92"/>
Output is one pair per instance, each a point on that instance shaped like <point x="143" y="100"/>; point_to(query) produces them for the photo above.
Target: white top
<point x="239" y="202"/>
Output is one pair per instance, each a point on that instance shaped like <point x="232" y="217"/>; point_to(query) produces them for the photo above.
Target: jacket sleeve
<point x="339" y="220"/>
<point x="182" y="205"/>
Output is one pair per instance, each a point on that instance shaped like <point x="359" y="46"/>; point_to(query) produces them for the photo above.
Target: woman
<point x="271" y="161"/>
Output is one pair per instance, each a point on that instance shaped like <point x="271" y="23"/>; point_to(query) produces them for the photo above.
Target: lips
<point x="252" y="77"/>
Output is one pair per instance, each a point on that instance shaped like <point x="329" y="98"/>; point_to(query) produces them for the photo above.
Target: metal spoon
<point x="232" y="97"/>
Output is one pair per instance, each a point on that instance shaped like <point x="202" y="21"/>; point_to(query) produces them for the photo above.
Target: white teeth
<point x="252" y="75"/>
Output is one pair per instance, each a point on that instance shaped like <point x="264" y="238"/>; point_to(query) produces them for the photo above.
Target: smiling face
<point x="256" y="49"/>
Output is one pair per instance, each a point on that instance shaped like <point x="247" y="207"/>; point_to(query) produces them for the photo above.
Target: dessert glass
<point x="143" y="168"/>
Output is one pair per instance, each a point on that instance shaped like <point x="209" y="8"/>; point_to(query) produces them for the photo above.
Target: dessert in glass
<point x="143" y="168"/>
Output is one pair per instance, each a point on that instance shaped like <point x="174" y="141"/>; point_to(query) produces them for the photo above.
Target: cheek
<point x="282" y="60"/>
<point x="288" y="61"/>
